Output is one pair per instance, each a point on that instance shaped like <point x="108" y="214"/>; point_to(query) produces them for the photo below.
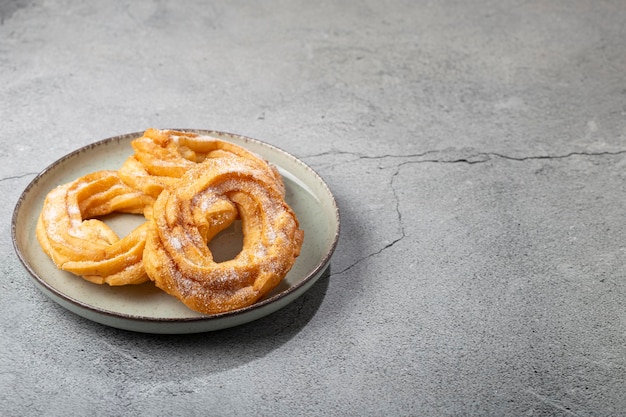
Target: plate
<point x="145" y="308"/>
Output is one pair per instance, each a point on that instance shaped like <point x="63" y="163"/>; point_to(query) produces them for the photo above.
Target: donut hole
<point x="122" y="223"/>
<point x="228" y="243"/>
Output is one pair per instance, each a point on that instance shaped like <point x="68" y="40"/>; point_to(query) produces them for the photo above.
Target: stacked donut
<point x="189" y="188"/>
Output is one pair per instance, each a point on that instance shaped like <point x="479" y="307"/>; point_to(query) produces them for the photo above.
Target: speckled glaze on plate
<point x="145" y="308"/>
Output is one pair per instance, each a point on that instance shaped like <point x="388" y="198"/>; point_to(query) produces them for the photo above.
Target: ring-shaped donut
<point x="163" y="156"/>
<point x="78" y="243"/>
<point x="177" y="257"/>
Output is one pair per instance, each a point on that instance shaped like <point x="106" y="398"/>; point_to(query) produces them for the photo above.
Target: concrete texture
<point x="477" y="154"/>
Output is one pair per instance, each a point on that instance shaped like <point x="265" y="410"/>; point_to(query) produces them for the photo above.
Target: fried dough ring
<point x="163" y="156"/>
<point x="84" y="246"/>
<point x="177" y="257"/>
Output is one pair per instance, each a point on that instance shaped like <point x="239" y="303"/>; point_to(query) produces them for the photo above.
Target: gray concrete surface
<point x="477" y="154"/>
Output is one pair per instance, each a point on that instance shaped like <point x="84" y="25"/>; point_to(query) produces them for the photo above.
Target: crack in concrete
<point x="358" y="261"/>
<point x="471" y="159"/>
<point x="564" y="156"/>
<point x="474" y="158"/>
<point x="295" y="318"/>
<point x="17" y="177"/>
<point x="393" y="242"/>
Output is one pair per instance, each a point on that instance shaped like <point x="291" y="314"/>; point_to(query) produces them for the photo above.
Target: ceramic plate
<point x="145" y="308"/>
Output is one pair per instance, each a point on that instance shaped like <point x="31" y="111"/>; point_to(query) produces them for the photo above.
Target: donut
<point x="209" y="197"/>
<point x="163" y="156"/>
<point x="77" y="242"/>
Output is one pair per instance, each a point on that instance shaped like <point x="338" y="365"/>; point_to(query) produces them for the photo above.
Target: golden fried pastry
<point x="189" y="187"/>
<point x="208" y="198"/>
<point x="163" y="156"/>
<point x="78" y="243"/>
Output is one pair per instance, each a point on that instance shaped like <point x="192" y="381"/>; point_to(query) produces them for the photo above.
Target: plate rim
<point x="309" y="279"/>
